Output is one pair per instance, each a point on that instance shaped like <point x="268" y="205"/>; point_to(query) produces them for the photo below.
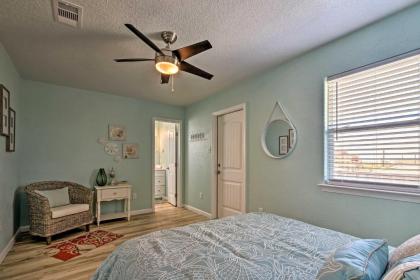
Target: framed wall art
<point x="117" y="132"/>
<point x="11" y="139"/>
<point x="130" y="151"/>
<point x="4" y="111"/>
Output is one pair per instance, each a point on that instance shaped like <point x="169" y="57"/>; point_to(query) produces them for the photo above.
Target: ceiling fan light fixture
<point x="167" y="65"/>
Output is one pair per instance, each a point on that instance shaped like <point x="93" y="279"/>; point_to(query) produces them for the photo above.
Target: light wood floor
<point x="29" y="258"/>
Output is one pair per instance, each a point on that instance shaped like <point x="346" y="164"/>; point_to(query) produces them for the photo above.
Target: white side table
<point x="110" y="193"/>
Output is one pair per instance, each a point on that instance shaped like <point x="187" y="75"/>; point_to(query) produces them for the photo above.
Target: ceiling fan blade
<point x="184" y="66"/>
<point x="132" y="59"/>
<point x="164" y="79"/>
<point x="143" y="38"/>
<point x="186" y="52"/>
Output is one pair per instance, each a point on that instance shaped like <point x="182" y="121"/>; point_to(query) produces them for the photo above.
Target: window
<point x="372" y="126"/>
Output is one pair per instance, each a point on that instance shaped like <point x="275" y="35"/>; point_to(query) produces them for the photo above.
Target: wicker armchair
<point x="42" y="222"/>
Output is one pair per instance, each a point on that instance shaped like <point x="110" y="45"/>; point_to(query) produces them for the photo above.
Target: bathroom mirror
<point x="279" y="135"/>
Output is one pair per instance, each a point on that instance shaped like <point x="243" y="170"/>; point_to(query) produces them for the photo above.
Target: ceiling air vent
<point x="67" y="13"/>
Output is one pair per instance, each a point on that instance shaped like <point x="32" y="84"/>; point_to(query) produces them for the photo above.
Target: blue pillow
<point x="364" y="259"/>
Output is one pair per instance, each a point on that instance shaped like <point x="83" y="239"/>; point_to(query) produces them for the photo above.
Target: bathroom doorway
<point x="167" y="156"/>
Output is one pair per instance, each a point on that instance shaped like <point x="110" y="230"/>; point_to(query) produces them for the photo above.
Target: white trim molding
<point x="142" y="211"/>
<point x="12" y="242"/>
<point x="8" y="247"/>
<point x="198" y="211"/>
<point x="398" y="195"/>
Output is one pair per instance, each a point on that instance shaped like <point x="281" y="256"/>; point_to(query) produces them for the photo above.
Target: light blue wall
<point x="8" y="161"/>
<point x="289" y="186"/>
<point x="60" y="130"/>
<point x="58" y="126"/>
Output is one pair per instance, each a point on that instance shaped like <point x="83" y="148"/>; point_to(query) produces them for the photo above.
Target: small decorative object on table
<point x="101" y="178"/>
<point x="112" y="176"/>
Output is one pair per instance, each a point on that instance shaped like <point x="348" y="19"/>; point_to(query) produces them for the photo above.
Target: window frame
<point x="377" y="190"/>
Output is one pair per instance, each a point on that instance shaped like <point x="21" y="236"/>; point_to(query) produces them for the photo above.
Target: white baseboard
<point x="142" y="211"/>
<point x="198" y="211"/>
<point x="12" y="241"/>
<point x="8" y="247"/>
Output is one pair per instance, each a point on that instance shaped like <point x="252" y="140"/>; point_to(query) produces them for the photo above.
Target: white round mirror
<point x="279" y="136"/>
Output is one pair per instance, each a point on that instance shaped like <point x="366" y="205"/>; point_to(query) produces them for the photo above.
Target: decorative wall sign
<point x="198" y="136"/>
<point x="130" y="151"/>
<point x="117" y="132"/>
<point x="11" y="139"/>
<point x="4" y="111"/>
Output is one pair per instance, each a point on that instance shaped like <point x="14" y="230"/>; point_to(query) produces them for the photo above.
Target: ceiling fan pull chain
<point x="172" y="83"/>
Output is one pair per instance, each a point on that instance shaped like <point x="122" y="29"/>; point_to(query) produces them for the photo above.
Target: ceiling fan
<point x="169" y="62"/>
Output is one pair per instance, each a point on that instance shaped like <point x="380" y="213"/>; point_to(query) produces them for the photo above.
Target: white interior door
<point x="171" y="169"/>
<point x="230" y="158"/>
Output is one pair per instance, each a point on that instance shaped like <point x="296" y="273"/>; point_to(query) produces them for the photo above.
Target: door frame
<point x="214" y="176"/>
<point x="179" y="167"/>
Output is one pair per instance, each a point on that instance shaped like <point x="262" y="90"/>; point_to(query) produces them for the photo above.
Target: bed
<point x="249" y="246"/>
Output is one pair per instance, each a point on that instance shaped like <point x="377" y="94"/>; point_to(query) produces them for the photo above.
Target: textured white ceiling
<point x="248" y="36"/>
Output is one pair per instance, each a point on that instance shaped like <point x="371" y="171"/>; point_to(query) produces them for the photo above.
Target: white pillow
<point x="409" y="248"/>
<point x="57" y="197"/>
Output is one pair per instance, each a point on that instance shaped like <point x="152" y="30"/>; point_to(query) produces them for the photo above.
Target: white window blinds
<point x="373" y="124"/>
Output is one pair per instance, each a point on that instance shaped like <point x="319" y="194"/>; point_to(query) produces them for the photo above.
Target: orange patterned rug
<point x="69" y="249"/>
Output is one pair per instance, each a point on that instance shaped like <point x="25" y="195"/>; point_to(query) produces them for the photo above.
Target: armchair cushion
<point x="69" y="209"/>
<point x="57" y="197"/>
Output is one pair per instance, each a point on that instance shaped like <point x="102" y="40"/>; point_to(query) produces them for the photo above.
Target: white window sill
<point x="398" y="195"/>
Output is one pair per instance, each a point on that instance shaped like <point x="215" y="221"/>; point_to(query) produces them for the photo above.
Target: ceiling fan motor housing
<point x="169" y="37"/>
<point x="167" y="57"/>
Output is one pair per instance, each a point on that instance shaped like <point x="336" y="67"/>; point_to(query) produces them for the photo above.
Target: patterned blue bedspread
<point x="249" y="246"/>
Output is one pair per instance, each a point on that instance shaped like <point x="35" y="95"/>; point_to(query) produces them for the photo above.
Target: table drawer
<point x="114" y="193"/>
<point x="160" y="181"/>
